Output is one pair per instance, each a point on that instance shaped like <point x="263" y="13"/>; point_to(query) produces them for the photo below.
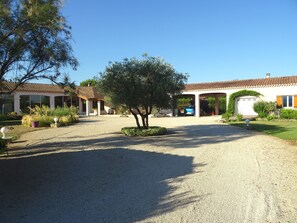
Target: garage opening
<point x="212" y="104"/>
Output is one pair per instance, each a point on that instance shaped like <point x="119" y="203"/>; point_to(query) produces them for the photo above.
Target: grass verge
<point x="281" y="129"/>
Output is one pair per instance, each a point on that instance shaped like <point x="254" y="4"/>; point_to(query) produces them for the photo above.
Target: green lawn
<point x="281" y="129"/>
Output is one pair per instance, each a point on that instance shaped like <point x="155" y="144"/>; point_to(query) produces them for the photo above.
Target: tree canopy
<point x="141" y="85"/>
<point x="34" y="40"/>
<point x="89" y="82"/>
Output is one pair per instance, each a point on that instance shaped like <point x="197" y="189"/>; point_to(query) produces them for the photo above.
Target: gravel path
<point x="202" y="171"/>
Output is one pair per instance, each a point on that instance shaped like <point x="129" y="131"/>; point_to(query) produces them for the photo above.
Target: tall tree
<point x="34" y="40"/>
<point x="89" y="82"/>
<point x="141" y="84"/>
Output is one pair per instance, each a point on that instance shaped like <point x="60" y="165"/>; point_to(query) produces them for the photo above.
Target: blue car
<point x="190" y="110"/>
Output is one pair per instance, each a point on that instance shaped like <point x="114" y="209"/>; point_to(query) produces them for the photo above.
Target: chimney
<point x="267" y="75"/>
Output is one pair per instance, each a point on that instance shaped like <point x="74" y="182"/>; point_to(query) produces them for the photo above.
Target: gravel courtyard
<point x="202" y="171"/>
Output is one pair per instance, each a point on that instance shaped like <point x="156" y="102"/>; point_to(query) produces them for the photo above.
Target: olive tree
<point x="141" y="85"/>
<point x="34" y="40"/>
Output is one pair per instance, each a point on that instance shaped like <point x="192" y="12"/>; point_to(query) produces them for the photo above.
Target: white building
<point x="87" y="99"/>
<point x="282" y="90"/>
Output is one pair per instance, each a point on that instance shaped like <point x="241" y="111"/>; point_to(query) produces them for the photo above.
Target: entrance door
<point x="244" y="106"/>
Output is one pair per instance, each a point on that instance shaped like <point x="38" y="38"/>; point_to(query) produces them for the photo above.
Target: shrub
<point x="239" y="117"/>
<point x="3" y="145"/>
<point x="288" y="114"/>
<point x="264" y="108"/>
<point x="151" y="131"/>
<point x="45" y="116"/>
<point x="59" y="112"/>
<point x="40" y="111"/>
<point x="65" y="120"/>
<point x="27" y="119"/>
<point x="44" y="121"/>
<point x="14" y="116"/>
<point x="270" y="117"/>
<point x="226" y="116"/>
<point x="3" y="117"/>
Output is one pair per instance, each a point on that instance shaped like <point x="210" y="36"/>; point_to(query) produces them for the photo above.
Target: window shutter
<point x="279" y="101"/>
<point x="295" y="101"/>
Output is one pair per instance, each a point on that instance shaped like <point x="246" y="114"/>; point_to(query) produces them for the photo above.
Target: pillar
<point x="216" y="105"/>
<point x="16" y="103"/>
<point x="88" y="109"/>
<point x="80" y="106"/>
<point x="52" y="102"/>
<point x="227" y="102"/>
<point x="197" y="105"/>
<point x="99" y="107"/>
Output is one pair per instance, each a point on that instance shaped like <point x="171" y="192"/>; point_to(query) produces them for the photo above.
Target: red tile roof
<point x="83" y="92"/>
<point x="263" y="82"/>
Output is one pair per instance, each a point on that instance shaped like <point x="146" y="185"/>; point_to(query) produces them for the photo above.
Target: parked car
<point x="190" y="110"/>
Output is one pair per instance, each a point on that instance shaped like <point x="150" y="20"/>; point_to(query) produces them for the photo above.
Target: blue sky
<point x="211" y="40"/>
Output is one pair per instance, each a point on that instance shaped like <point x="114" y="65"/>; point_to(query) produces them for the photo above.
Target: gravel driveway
<point x="202" y="171"/>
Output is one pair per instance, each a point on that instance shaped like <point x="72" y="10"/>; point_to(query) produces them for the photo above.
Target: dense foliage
<point x="288" y="114"/>
<point x="183" y="102"/>
<point x="34" y="40"/>
<point x="141" y="85"/>
<point x="10" y="116"/>
<point x="45" y="116"/>
<point x="3" y="145"/>
<point x="151" y="131"/>
<point x="263" y="108"/>
<point x="89" y="82"/>
<point x="232" y="97"/>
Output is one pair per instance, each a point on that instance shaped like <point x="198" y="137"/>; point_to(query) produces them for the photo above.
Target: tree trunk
<point x="143" y="122"/>
<point x="136" y="118"/>
<point x="146" y="120"/>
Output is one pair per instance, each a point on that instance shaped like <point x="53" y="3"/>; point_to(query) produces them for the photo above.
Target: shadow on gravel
<point x="182" y="137"/>
<point x="108" y="185"/>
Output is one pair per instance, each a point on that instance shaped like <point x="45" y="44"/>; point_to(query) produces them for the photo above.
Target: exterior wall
<point x="268" y="93"/>
<point x="17" y="95"/>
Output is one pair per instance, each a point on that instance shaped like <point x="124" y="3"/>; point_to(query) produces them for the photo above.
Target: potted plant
<point x="34" y="123"/>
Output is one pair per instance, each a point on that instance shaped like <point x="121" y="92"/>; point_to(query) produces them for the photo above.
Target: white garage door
<point x="245" y="106"/>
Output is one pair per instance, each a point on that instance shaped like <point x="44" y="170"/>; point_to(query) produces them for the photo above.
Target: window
<point x="287" y="101"/>
<point x="6" y="103"/>
<point x="62" y="101"/>
<point x="33" y="100"/>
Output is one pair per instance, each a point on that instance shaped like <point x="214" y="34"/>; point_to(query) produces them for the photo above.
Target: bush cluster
<point x="227" y="116"/>
<point x="10" y="116"/>
<point x="264" y="108"/>
<point x="288" y="114"/>
<point x="151" y="131"/>
<point x="3" y="145"/>
<point x="45" y="116"/>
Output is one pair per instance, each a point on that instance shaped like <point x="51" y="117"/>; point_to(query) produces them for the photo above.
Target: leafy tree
<point x="89" y="82"/>
<point x="141" y="84"/>
<point x="34" y="40"/>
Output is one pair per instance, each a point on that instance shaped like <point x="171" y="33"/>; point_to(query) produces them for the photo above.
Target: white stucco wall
<point x="268" y="93"/>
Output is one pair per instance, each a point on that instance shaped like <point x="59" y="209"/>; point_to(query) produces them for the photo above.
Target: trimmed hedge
<point x="151" y="131"/>
<point x="231" y="104"/>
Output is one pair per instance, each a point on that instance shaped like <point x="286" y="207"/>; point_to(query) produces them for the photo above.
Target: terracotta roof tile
<point x="89" y="93"/>
<point x="263" y="82"/>
<point x="84" y="92"/>
<point x="31" y="87"/>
